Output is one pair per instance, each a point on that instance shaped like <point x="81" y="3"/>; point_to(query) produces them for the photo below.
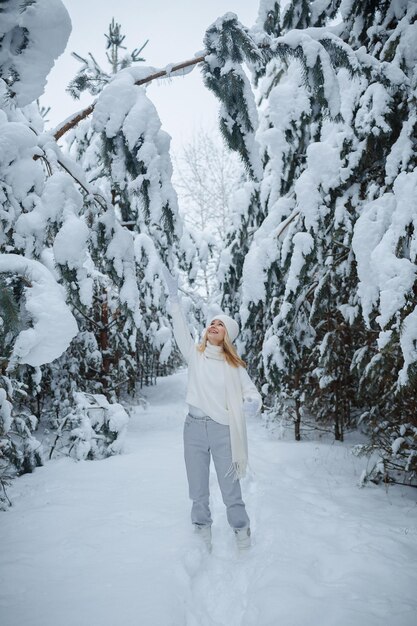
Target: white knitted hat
<point x="232" y="327"/>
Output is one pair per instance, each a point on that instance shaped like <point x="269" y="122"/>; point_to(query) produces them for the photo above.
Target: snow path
<point x="109" y="542"/>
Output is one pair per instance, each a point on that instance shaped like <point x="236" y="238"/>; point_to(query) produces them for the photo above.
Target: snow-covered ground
<point x="109" y="542"/>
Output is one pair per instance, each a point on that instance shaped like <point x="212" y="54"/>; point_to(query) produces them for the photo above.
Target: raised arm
<point x="182" y="334"/>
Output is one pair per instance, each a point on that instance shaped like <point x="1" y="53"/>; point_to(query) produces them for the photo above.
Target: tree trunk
<point x="337" y="422"/>
<point x="104" y="340"/>
<point x="297" y="422"/>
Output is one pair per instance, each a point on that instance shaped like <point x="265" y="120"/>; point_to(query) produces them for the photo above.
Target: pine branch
<point x="97" y="197"/>
<point x="72" y="122"/>
<point x="89" y="319"/>
<point x="252" y="52"/>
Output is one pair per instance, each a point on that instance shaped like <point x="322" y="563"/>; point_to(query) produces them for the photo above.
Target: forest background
<point x="314" y="253"/>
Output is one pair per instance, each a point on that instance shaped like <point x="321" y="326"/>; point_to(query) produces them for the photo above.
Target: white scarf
<point x="238" y="436"/>
<point x="237" y="423"/>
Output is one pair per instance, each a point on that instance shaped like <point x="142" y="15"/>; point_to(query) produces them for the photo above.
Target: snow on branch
<point x="282" y="45"/>
<point x="169" y="71"/>
<point x="54" y="325"/>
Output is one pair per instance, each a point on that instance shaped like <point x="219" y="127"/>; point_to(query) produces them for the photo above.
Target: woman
<point x="220" y="395"/>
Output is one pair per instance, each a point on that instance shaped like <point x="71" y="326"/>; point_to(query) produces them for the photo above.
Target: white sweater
<point x="206" y="388"/>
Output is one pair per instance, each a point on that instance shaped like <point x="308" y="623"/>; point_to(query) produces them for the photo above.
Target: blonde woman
<point x="220" y="395"/>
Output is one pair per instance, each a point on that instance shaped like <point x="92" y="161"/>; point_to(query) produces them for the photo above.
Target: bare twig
<point x="5" y="483"/>
<point x="89" y="319"/>
<point x="97" y="197"/>
<point x="58" y="435"/>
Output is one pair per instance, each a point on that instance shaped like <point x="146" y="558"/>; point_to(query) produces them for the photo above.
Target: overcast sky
<point x="175" y="29"/>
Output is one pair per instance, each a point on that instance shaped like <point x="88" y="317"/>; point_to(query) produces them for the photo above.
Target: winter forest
<point x="301" y="225"/>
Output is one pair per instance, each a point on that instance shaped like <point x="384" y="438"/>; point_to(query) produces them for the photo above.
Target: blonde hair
<point x="230" y="354"/>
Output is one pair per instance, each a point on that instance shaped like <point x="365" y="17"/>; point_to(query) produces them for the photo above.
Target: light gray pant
<point x="204" y="437"/>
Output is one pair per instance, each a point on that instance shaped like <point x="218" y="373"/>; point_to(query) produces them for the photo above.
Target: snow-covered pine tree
<point x="282" y="142"/>
<point x="308" y="348"/>
<point x="332" y="265"/>
<point x="385" y="234"/>
<point x="36" y="326"/>
<point x="32" y="35"/>
<point x="226" y="44"/>
<point x="125" y="155"/>
<point x="52" y="214"/>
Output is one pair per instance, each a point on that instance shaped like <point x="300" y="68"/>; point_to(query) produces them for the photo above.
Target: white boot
<point x="204" y="532"/>
<point x="243" y="541"/>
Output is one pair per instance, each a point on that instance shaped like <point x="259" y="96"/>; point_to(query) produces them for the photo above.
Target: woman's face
<point x="216" y="332"/>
